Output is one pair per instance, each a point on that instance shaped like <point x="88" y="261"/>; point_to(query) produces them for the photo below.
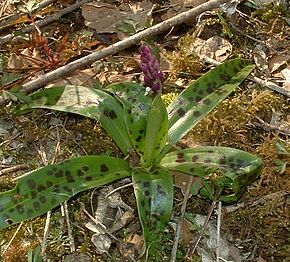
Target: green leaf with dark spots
<point x="136" y="106"/>
<point x="41" y="190"/>
<point x="226" y="169"/>
<point x="156" y="132"/>
<point x="87" y="102"/>
<point x="154" y="194"/>
<point x="204" y="95"/>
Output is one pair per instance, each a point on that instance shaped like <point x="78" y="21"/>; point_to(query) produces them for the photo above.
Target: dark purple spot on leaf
<point x="42" y="199"/>
<point x="196" y="113"/>
<point x="222" y="161"/>
<point x="31" y="184"/>
<point x="85" y="168"/>
<point x="146" y="184"/>
<point x="49" y="184"/>
<point x="192" y="169"/>
<point x="111" y="114"/>
<point x="104" y="168"/>
<point x="41" y="188"/>
<point x="59" y="173"/>
<point x="80" y="173"/>
<point x="89" y="178"/>
<point x="138" y="139"/>
<point x="146" y="193"/>
<point x="141" y="131"/>
<point x="180" y="155"/>
<point x="206" y="101"/>
<point x="33" y="194"/>
<point x="180" y="112"/>
<point x="194" y="158"/>
<point x="56" y="189"/>
<point x="232" y="165"/>
<point x="198" y="98"/>
<point x="235" y="70"/>
<point x="180" y="160"/>
<point x="207" y="161"/>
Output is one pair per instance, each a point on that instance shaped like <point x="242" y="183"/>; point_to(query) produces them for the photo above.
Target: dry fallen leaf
<point x="260" y="58"/>
<point x="276" y="61"/>
<point x="105" y="18"/>
<point x="215" y="47"/>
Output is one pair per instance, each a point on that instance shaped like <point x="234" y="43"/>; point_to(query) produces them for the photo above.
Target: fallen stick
<point x="117" y="47"/>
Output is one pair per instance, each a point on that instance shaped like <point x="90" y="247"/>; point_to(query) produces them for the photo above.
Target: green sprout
<point x="146" y="132"/>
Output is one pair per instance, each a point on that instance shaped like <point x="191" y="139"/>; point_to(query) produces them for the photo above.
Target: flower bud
<point x="151" y="69"/>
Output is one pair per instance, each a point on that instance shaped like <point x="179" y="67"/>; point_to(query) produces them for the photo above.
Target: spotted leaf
<point x="87" y="102"/>
<point x="41" y="190"/>
<point x="204" y="95"/>
<point x="227" y="170"/>
<point x="136" y="108"/>
<point x="154" y="194"/>
<point x="156" y="131"/>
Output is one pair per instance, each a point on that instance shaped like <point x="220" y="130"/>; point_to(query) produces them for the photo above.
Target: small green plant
<point x="146" y="132"/>
<point x="284" y="154"/>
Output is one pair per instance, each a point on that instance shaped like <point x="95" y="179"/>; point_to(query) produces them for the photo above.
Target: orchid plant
<point x="146" y="132"/>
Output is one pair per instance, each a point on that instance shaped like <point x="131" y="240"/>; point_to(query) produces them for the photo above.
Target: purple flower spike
<point x="151" y="69"/>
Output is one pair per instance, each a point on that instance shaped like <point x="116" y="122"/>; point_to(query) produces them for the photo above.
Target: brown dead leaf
<point x="25" y="60"/>
<point x="260" y="58"/>
<point x="179" y="6"/>
<point x="181" y="181"/>
<point x="105" y="18"/>
<point x="215" y="47"/>
<point x="277" y="61"/>
<point x="187" y="234"/>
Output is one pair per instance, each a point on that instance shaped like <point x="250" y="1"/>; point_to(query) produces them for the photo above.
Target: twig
<point x="13" y="169"/>
<point x="179" y="224"/>
<point x="218" y="233"/>
<point x="117" y="47"/>
<point x="16" y="232"/>
<point x="5" y="21"/>
<point x="45" y="233"/>
<point x="45" y="21"/>
<point x="264" y="83"/>
<point x="69" y="230"/>
<point x="117" y="189"/>
<point x="190" y="251"/>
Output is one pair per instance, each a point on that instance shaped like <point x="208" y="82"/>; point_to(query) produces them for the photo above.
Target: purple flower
<point x="151" y="69"/>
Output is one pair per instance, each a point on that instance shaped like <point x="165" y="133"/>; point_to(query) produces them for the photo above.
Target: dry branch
<point x="117" y="47"/>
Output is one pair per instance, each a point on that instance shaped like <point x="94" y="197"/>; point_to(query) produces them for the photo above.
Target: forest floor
<point x="255" y="118"/>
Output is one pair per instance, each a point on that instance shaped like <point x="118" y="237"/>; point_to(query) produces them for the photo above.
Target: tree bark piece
<point x="117" y="47"/>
